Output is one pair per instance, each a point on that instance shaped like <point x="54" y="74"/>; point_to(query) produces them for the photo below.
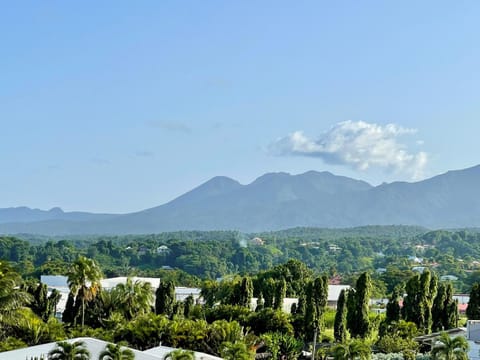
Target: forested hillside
<point x="384" y="251"/>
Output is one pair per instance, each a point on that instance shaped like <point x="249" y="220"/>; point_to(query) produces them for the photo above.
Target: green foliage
<point x="71" y="312"/>
<point x="69" y="351"/>
<point x="236" y="351"/>
<point x="33" y="330"/>
<point x="42" y="304"/>
<point x="188" y="306"/>
<point x="447" y="348"/>
<point x="12" y="343"/>
<point x="116" y="352"/>
<point x="143" y="332"/>
<point x="269" y="320"/>
<point x="393" y="310"/>
<point x="280" y="292"/>
<point x="12" y="297"/>
<point x="391" y="343"/>
<point x="473" y="309"/>
<point x="282" y="346"/>
<point x="355" y="349"/>
<point x="165" y="298"/>
<point x="340" y="326"/>
<point x="84" y="281"/>
<point x="444" y="309"/>
<point x="132" y="298"/>
<point x="180" y="354"/>
<point x="358" y="321"/>
<point x="228" y="312"/>
<point x="417" y="305"/>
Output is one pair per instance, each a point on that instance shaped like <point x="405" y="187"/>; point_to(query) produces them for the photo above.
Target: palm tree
<point x="447" y="348"/>
<point x="236" y="351"/>
<point x="12" y="298"/>
<point x="69" y="351"/>
<point x="133" y="298"/>
<point x="180" y="354"/>
<point x="84" y="281"/>
<point x="116" y="352"/>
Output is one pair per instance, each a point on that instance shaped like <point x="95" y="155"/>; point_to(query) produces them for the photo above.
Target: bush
<point x="12" y="343"/>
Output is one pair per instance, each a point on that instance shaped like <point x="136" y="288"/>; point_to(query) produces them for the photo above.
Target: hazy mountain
<point x="24" y="214"/>
<point x="278" y="201"/>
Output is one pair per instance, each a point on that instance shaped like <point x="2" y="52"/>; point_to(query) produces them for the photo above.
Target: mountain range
<point x="277" y="201"/>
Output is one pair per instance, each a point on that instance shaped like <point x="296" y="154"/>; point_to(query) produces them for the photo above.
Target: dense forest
<point x="388" y="252"/>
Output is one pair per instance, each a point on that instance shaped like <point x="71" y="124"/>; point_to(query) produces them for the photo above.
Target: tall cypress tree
<point x="473" y="309"/>
<point x="411" y="310"/>
<point x="70" y="312"/>
<point x="246" y="292"/>
<point x="39" y="303"/>
<point x="280" y="292"/>
<point x="450" y="318"/>
<point x="438" y="308"/>
<point x="340" y="324"/>
<point x="188" y="306"/>
<point x="417" y="305"/>
<point x="320" y="292"/>
<point x="364" y="289"/>
<point x="352" y="311"/>
<point x="268" y="291"/>
<point x="393" y="308"/>
<point x="429" y="285"/>
<point x="165" y="298"/>
<point x="357" y="303"/>
<point x="310" y="319"/>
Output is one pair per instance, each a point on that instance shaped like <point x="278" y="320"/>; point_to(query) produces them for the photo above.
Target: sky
<point x="117" y="106"/>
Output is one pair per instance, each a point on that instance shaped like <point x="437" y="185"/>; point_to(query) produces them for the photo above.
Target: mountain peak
<point x="221" y="181"/>
<point x="56" y="210"/>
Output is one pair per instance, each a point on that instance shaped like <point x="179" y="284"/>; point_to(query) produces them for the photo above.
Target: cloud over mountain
<point x="360" y="145"/>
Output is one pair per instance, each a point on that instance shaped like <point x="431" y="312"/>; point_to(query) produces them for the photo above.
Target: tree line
<point x="226" y="322"/>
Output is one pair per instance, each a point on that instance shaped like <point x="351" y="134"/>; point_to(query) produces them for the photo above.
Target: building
<point x="60" y="284"/>
<point x="332" y="298"/>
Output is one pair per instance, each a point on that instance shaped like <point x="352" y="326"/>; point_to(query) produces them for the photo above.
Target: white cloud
<point x="360" y="145"/>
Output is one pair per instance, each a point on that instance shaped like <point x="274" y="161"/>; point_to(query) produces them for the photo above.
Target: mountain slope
<point x="278" y="201"/>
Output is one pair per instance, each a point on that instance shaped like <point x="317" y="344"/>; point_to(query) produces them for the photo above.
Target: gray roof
<point x="95" y="347"/>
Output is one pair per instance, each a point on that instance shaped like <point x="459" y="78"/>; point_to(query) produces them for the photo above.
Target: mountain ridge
<point x="277" y="201"/>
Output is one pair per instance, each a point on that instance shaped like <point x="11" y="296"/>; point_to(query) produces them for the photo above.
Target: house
<point x="448" y="278"/>
<point x="163" y="249"/>
<point x="334" y="248"/>
<point x="335" y="280"/>
<point x="256" y="241"/>
<point x="415" y="259"/>
<point x="419" y="269"/>
<point x="142" y="250"/>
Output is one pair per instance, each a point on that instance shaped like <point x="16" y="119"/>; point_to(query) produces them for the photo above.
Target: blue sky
<point x="117" y="106"/>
